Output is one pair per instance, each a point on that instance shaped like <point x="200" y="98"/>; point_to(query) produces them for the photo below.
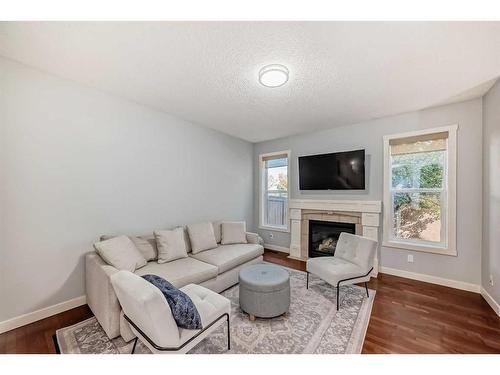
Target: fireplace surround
<point x="365" y="215"/>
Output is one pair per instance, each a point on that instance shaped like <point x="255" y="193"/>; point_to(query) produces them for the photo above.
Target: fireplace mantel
<point x="336" y="205"/>
<point x="369" y="211"/>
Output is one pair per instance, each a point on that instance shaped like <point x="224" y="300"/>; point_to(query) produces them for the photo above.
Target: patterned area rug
<point x="312" y="326"/>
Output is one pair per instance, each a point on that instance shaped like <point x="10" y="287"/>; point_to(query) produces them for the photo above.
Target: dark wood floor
<point x="408" y="316"/>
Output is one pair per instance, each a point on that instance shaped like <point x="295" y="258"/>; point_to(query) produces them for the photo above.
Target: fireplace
<point x="323" y="236"/>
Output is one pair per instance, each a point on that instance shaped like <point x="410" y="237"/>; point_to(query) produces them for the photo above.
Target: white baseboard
<point x="277" y="248"/>
<point x="494" y="304"/>
<point x="432" y="279"/>
<point x="34" y="316"/>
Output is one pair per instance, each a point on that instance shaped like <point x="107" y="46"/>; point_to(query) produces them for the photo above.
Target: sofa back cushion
<point x="217" y="230"/>
<point x="121" y="253"/>
<point x="186" y="239"/>
<point x="171" y="244"/>
<point x="202" y="236"/>
<point x="145" y="244"/>
<point x="233" y="232"/>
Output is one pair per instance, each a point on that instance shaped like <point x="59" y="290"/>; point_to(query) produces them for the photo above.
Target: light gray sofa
<point x="216" y="269"/>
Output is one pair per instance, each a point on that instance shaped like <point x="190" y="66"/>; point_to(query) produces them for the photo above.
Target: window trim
<point x="451" y="219"/>
<point x="262" y="189"/>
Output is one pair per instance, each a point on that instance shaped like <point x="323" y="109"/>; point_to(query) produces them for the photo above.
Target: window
<point x="274" y="172"/>
<point x="419" y="190"/>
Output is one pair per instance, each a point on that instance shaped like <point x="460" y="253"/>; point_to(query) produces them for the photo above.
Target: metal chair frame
<point x="174" y="349"/>
<point x="338" y="284"/>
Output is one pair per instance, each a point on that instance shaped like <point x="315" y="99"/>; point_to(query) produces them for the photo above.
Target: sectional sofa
<point x="216" y="269"/>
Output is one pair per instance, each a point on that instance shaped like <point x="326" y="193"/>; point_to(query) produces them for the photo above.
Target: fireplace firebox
<point x="323" y="236"/>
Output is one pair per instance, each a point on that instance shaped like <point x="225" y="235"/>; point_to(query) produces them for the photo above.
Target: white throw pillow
<point x="186" y="239"/>
<point x="121" y="253"/>
<point x="217" y="230"/>
<point x="201" y="236"/>
<point x="145" y="244"/>
<point x="171" y="244"/>
<point x="233" y="232"/>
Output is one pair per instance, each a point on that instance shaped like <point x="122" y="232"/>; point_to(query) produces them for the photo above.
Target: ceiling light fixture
<point x="274" y="75"/>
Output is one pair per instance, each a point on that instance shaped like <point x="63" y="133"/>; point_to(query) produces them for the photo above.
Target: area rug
<point x="313" y="325"/>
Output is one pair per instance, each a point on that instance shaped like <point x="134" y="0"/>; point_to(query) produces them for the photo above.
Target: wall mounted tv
<point x="335" y="171"/>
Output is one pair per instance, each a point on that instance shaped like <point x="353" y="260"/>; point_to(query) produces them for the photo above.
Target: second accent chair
<point x="352" y="262"/>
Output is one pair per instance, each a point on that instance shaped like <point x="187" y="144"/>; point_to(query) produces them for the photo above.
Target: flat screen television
<point x="335" y="171"/>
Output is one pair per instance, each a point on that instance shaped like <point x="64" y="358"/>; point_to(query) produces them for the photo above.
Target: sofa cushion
<point x="145" y="244"/>
<point x="202" y="237"/>
<point x="186" y="239"/>
<point x="217" y="230"/>
<point x="180" y="272"/>
<point x="226" y="257"/>
<point x="233" y="232"/>
<point x="171" y="244"/>
<point x="121" y="253"/>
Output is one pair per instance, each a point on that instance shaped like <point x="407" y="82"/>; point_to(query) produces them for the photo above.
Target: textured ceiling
<point x="206" y="72"/>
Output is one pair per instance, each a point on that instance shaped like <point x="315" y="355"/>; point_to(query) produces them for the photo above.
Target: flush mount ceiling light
<point x="274" y="75"/>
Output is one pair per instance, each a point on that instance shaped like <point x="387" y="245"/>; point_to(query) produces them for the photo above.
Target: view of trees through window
<point x="276" y="202"/>
<point x="417" y="195"/>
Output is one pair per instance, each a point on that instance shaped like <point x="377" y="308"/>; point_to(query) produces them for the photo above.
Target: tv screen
<point x="336" y="171"/>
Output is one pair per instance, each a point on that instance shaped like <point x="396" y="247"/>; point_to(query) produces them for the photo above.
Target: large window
<point x="274" y="190"/>
<point x="419" y="199"/>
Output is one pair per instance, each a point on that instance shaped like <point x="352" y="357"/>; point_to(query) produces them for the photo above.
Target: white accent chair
<point x="150" y="316"/>
<point x="352" y="262"/>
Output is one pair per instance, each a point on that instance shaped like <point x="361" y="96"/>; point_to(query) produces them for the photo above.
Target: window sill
<point x="275" y="229"/>
<point x="423" y="248"/>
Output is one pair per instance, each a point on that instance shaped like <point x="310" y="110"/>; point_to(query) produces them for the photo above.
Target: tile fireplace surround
<point x="364" y="214"/>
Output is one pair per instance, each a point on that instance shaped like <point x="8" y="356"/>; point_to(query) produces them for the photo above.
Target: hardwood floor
<point x="408" y="316"/>
<point x="36" y="338"/>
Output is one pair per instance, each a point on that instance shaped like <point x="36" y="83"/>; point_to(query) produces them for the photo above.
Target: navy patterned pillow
<point x="183" y="309"/>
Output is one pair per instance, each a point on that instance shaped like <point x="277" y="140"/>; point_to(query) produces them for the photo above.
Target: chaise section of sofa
<point x="216" y="269"/>
<point x="101" y="296"/>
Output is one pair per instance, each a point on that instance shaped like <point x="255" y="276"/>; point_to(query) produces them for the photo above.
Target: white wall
<point x="76" y="163"/>
<point x="368" y="135"/>
<point x="491" y="188"/>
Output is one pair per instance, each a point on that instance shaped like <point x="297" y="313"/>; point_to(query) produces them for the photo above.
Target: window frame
<point x="449" y="246"/>
<point x="262" y="190"/>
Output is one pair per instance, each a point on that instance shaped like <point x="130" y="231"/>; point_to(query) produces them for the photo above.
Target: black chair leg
<point x="228" y="334"/>
<point x="307" y="281"/>
<point x="366" y="287"/>
<point x="338" y="293"/>
<point x="135" y="343"/>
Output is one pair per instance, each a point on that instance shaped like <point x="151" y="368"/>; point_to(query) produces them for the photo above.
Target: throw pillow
<point x="201" y="236"/>
<point x="217" y="230"/>
<point x="145" y="244"/>
<point x="171" y="245"/>
<point x="183" y="309"/>
<point x="120" y="252"/>
<point x="186" y="239"/>
<point x="233" y="232"/>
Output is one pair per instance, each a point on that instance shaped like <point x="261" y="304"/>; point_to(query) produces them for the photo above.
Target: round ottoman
<point x="264" y="290"/>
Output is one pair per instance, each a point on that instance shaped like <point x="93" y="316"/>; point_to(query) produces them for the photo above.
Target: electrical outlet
<point x="271" y="235"/>
<point x="410" y="258"/>
<point x="491" y="280"/>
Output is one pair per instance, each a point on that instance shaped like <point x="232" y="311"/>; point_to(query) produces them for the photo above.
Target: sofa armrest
<point x="101" y="296"/>
<point x="254" y="238"/>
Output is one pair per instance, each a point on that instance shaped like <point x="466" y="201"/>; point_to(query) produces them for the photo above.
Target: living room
<point x="234" y="187"/>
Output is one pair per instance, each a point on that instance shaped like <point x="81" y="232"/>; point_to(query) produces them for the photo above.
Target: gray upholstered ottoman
<point x="264" y="290"/>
